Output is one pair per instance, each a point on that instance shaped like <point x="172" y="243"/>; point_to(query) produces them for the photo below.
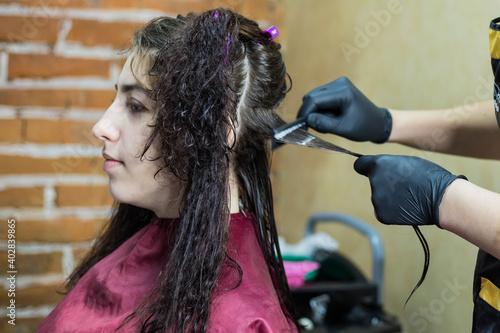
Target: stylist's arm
<point x="406" y="190"/>
<point x="409" y="190"/>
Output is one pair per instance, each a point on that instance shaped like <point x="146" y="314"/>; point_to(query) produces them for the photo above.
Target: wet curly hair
<point x="217" y="80"/>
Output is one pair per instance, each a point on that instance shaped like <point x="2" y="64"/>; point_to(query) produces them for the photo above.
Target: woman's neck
<point x="234" y="194"/>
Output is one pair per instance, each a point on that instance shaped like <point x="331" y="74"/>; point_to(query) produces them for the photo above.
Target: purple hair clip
<point x="216" y="15"/>
<point x="273" y="32"/>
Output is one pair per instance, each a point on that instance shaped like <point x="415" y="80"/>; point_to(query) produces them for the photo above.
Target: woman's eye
<point x="135" y="107"/>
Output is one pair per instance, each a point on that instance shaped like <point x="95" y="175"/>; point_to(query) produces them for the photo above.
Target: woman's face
<point x="124" y="130"/>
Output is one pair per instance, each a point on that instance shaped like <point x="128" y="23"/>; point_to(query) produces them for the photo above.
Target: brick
<point x="261" y="9"/>
<point x="62" y="230"/>
<point x="60" y="131"/>
<point x="120" y="62"/>
<point x="48" y="66"/>
<point x="70" y="196"/>
<point x="10" y="130"/>
<point x="113" y="4"/>
<point x="22" y="197"/>
<point x="184" y="7"/>
<point x="62" y="166"/>
<point x="43" y="131"/>
<point x="125" y="4"/>
<point x="79" y="132"/>
<point x="92" y="33"/>
<point x="34" y="296"/>
<point x="57" y="97"/>
<point x="248" y="8"/>
<point x="84" y="4"/>
<point x="37" y="263"/>
<point x="79" y="254"/>
<point x="23" y="325"/>
<point x="28" y="28"/>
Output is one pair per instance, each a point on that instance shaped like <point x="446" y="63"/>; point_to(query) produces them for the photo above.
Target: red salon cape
<point x="112" y="288"/>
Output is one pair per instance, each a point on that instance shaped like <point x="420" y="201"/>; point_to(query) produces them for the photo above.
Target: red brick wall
<point x="58" y="65"/>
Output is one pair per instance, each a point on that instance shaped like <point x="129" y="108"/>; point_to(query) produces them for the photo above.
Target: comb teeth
<point x="284" y="133"/>
<point x="298" y="136"/>
<point x="307" y="140"/>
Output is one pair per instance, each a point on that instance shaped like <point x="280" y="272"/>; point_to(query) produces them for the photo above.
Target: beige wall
<point x="428" y="54"/>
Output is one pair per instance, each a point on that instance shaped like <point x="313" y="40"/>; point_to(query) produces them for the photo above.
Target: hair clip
<point x="272" y="31"/>
<point x="216" y="15"/>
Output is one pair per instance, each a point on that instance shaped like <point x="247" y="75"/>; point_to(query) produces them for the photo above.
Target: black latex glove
<point x="406" y="190"/>
<point x="340" y="108"/>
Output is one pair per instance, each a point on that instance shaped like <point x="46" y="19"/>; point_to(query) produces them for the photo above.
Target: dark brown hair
<point x="213" y="75"/>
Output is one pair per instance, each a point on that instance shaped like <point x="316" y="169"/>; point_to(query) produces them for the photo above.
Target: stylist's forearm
<point x="421" y="129"/>
<point x="472" y="213"/>
<point x="467" y="131"/>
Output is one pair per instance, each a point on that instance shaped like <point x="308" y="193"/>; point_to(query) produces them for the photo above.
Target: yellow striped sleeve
<point x="490" y="293"/>
<point x="494" y="43"/>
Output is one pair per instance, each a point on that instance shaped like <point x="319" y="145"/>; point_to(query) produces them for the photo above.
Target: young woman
<point x="192" y="243"/>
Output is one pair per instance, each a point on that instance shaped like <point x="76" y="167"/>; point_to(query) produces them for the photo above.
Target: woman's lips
<point x="109" y="164"/>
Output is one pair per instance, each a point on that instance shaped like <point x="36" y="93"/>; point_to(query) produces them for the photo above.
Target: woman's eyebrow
<point x="125" y="88"/>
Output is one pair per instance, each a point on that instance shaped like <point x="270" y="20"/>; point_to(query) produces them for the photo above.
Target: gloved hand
<point x="340" y="108"/>
<point x="406" y="190"/>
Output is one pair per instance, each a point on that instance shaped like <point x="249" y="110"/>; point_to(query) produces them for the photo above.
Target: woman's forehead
<point x="135" y="72"/>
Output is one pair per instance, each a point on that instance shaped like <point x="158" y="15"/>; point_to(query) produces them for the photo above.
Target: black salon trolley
<point x="341" y="299"/>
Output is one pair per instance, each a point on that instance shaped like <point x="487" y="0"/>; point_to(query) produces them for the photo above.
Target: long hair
<point x="217" y="81"/>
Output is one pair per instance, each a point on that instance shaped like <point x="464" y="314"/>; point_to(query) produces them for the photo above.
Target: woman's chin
<point x="119" y="194"/>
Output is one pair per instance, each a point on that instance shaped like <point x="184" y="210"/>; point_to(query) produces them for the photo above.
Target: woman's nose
<point x="105" y="129"/>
